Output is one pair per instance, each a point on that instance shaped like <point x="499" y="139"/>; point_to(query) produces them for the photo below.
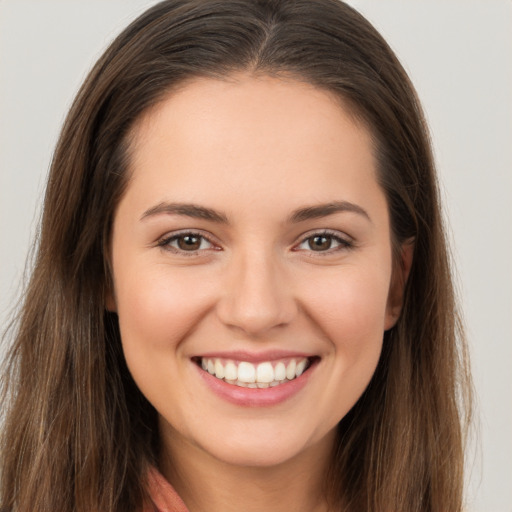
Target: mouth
<point x="264" y="374"/>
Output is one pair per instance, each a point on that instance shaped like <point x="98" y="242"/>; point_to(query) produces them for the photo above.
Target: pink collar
<point x="163" y="495"/>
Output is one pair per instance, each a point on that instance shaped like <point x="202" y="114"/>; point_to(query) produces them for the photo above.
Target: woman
<point x="242" y="297"/>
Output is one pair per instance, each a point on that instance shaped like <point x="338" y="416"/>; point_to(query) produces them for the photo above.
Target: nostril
<point x="253" y="319"/>
<point x="257" y="298"/>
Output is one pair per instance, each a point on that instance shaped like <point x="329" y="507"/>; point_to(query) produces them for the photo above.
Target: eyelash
<point x="344" y="244"/>
<point x="165" y="243"/>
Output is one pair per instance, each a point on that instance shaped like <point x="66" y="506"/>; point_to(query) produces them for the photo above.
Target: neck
<point x="209" y="484"/>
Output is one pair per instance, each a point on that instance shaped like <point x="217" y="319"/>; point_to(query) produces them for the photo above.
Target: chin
<point x="255" y="456"/>
<point x="264" y="451"/>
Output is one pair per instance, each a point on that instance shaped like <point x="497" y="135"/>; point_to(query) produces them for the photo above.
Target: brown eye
<point x="320" y="242"/>
<point x="189" y="242"/>
<point x="186" y="242"/>
<point x="324" y="242"/>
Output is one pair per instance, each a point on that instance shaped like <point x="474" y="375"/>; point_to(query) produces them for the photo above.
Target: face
<point x="252" y="267"/>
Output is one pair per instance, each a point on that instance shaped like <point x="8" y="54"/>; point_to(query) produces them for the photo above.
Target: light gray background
<point x="458" y="53"/>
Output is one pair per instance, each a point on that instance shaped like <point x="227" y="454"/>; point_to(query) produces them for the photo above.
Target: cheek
<point x="350" y="309"/>
<point x="157" y="309"/>
<point x="351" y="316"/>
<point x="350" y="306"/>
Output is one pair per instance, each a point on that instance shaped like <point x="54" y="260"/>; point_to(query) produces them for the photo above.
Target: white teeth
<point x="263" y="375"/>
<point x="280" y="371"/>
<point x="265" y="372"/>
<point x="290" y="369"/>
<point x="230" y="371"/>
<point x="301" y="366"/>
<point x="246" y="372"/>
<point x="219" y="369"/>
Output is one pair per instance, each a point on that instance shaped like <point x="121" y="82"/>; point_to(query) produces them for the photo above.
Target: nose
<point x="258" y="295"/>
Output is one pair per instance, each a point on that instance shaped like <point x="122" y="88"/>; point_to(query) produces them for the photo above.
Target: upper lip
<point x="256" y="357"/>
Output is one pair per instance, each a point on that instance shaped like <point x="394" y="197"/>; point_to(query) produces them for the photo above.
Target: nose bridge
<point x="258" y="294"/>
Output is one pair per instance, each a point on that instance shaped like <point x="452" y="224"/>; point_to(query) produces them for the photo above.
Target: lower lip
<point x="256" y="397"/>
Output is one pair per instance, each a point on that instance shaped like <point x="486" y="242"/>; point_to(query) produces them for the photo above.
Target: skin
<point x="255" y="150"/>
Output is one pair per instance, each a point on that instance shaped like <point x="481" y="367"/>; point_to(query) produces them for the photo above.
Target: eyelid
<point x="345" y="241"/>
<point x="164" y="241"/>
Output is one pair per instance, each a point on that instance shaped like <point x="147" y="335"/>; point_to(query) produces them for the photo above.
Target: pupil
<point x="320" y="243"/>
<point x="189" y="243"/>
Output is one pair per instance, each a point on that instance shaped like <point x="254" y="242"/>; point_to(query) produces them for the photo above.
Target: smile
<point x="262" y="375"/>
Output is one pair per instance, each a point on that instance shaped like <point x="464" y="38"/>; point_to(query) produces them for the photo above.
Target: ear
<point x="109" y="295"/>
<point x="401" y="270"/>
<point x="110" y="301"/>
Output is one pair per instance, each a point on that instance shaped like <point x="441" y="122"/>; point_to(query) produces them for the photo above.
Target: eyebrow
<point x="299" y="215"/>
<point x="324" y="210"/>
<point x="187" y="210"/>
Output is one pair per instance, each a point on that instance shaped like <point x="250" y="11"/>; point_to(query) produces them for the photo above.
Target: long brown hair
<point x="78" y="435"/>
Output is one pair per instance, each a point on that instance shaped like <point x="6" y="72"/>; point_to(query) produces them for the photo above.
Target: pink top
<point x="163" y="495"/>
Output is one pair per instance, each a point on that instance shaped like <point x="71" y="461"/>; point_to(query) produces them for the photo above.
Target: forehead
<point x="251" y="135"/>
<point x="250" y="102"/>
